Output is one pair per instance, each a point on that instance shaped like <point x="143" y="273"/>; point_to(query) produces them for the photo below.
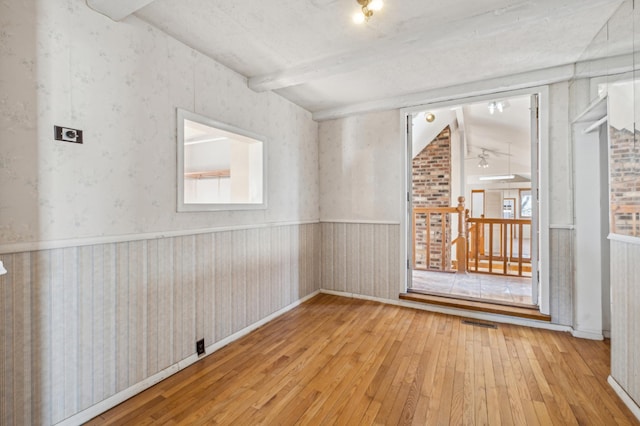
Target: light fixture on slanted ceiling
<point x="497" y="106"/>
<point x="367" y="7"/>
<point x="483" y="159"/>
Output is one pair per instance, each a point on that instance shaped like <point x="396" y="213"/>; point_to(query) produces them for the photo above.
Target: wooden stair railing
<point x="505" y="254"/>
<point x="460" y="242"/>
<point x="625" y="220"/>
<point x="475" y="232"/>
<point x="498" y="260"/>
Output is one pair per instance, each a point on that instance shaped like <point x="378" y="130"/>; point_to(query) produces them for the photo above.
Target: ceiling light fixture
<point x="497" y="106"/>
<point x="483" y="159"/>
<point x="502" y="177"/>
<point x="367" y="7"/>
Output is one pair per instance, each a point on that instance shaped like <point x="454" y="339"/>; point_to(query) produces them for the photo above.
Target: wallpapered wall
<point x="69" y="317"/>
<point x="361" y="168"/>
<point x="121" y="82"/>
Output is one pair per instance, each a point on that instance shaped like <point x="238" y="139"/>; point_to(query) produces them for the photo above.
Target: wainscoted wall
<point x="81" y="324"/>
<point x="361" y="258"/>
<point x="625" y="317"/>
<point x="561" y="276"/>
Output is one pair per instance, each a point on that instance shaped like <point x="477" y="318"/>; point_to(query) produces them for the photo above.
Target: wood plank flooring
<point x="336" y="360"/>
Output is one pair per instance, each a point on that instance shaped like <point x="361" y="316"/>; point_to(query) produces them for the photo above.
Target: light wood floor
<point x="345" y="361"/>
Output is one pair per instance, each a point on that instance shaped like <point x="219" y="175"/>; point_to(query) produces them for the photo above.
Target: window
<point x="525" y="203"/>
<point x="220" y="167"/>
<point x="508" y="208"/>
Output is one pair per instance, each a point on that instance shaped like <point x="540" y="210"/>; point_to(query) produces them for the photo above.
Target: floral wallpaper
<point x="121" y="82"/>
<point x="361" y="163"/>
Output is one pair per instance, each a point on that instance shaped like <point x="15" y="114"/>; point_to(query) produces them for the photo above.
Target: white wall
<point x="424" y="132"/>
<point x="361" y="163"/>
<point x="207" y="156"/>
<point x="65" y="64"/>
<point x="588" y="283"/>
<point x="241" y="172"/>
<point x="560" y="161"/>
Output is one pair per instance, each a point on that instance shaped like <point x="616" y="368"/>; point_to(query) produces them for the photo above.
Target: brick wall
<point x="431" y="187"/>
<point x="624" y="172"/>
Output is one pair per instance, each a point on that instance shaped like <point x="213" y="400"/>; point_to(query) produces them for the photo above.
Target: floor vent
<point x="479" y="324"/>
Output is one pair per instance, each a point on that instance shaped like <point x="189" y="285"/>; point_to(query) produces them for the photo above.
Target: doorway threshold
<point x="472" y="305"/>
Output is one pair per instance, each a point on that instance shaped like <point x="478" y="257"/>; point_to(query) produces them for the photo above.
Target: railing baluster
<point x="520" y="257"/>
<point x="503" y="229"/>
<point x="501" y="246"/>
<point x="461" y="239"/>
<point x="415" y="248"/>
<point x="443" y="238"/>
<point x="428" y="247"/>
<point x="490" y="247"/>
<point x="511" y="228"/>
<point x="477" y="242"/>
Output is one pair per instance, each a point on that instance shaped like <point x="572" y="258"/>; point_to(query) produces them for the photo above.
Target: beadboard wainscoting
<point x="81" y="324"/>
<point x="361" y="258"/>
<point x="561" y="276"/>
<point x="625" y="317"/>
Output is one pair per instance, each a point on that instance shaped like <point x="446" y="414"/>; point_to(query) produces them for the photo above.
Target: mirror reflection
<point x="220" y="166"/>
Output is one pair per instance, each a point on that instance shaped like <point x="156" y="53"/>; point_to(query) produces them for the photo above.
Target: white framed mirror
<point x="220" y="167"/>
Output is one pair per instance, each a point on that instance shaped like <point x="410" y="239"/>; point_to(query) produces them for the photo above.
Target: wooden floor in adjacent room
<point x="345" y="361"/>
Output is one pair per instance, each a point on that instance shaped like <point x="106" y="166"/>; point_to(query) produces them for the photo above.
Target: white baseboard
<point x="624" y="396"/>
<point x="588" y="334"/>
<point x="457" y="312"/>
<point x="99" y="408"/>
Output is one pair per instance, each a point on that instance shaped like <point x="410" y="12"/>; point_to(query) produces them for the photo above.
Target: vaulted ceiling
<point x="311" y="52"/>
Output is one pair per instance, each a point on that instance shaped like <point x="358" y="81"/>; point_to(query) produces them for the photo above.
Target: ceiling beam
<point x="453" y="93"/>
<point x="491" y="23"/>
<point x="117" y="9"/>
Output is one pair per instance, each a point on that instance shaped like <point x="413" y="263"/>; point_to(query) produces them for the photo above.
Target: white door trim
<point x="543" y="170"/>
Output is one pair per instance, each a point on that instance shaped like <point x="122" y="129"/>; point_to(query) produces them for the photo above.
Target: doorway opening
<point x="473" y="217"/>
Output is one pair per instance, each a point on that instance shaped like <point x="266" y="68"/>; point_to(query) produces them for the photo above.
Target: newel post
<point x="461" y="245"/>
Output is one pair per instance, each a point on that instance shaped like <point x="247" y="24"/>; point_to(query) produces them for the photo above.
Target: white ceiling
<point x="310" y="52"/>
<point x="505" y="136"/>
